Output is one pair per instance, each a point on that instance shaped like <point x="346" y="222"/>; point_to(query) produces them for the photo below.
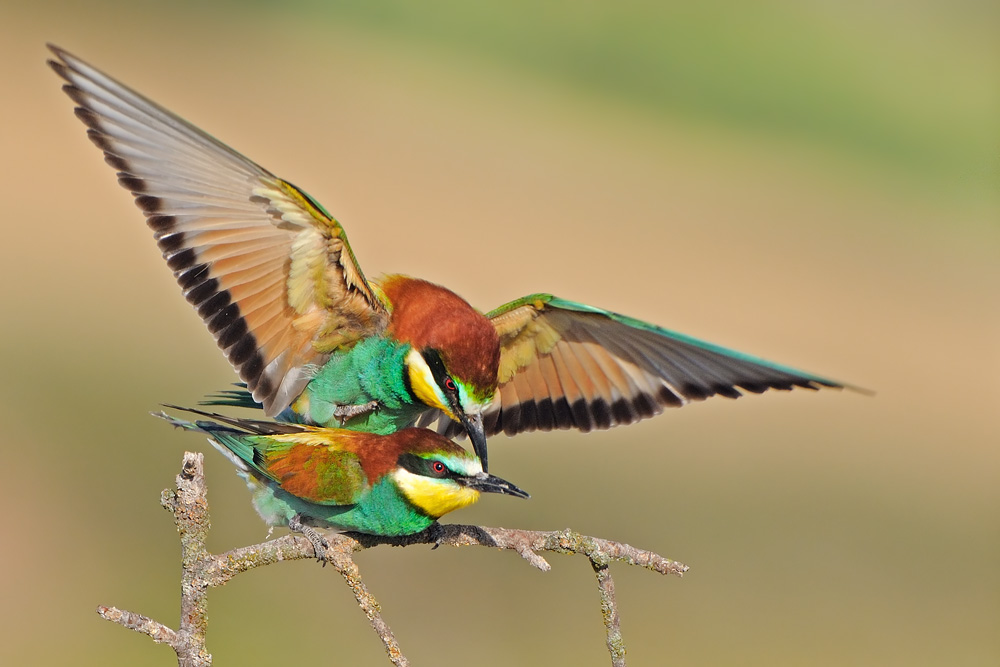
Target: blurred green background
<point x="816" y="183"/>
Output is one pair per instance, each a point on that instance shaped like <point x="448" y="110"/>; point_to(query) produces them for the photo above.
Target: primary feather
<point x="269" y="271"/>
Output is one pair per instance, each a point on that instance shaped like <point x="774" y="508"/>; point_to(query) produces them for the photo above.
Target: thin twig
<point x="370" y="606"/>
<point x="609" y="610"/>
<point x="202" y="570"/>
<point x="160" y="633"/>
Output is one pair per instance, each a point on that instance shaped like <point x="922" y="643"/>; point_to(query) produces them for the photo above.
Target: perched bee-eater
<point x="272" y="275"/>
<point x="314" y="477"/>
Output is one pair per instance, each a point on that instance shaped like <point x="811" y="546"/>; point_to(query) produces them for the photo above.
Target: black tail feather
<point x="255" y="426"/>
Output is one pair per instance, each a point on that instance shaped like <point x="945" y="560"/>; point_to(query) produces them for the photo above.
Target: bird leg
<point x="435" y="532"/>
<point x="345" y="412"/>
<point x="318" y="542"/>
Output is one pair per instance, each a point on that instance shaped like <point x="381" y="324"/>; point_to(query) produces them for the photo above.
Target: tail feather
<point x="251" y="426"/>
<point x="233" y="398"/>
<point x="237" y="439"/>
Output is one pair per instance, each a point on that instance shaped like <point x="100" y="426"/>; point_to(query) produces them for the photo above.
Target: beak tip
<point x="486" y="483"/>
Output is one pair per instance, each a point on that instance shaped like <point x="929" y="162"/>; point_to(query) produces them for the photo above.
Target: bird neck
<point x="384" y="510"/>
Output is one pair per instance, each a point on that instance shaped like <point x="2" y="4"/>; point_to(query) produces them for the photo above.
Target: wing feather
<point x="314" y="470"/>
<point x="572" y="394"/>
<point x="567" y="365"/>
<point x="268" y="270"/>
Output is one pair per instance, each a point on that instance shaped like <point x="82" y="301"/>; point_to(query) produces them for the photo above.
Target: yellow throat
<point x="434" y="497"/>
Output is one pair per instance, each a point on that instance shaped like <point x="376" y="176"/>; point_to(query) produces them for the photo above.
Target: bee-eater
<point x="271" y="274"/>
<point x="315" y="477"/>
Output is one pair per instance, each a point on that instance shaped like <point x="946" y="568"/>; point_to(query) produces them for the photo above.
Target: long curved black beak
<point x="491" y="484"/>
<point x="474" y="427"/>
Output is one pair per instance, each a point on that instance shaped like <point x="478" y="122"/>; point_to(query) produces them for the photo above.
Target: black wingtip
<point x="61" y="64"/>
<point x="816" y="383"/>
<point x="58" y="67"/>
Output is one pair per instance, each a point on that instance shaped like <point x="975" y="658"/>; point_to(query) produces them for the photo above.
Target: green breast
<point x="384" y="511"/>
<point x="372" y="370"/>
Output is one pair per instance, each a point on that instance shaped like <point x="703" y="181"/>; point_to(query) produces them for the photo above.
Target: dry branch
<point x="202" y="570"/>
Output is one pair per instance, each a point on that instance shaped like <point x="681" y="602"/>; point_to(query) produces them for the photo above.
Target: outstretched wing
<point x="268" y="270"/>
<point x="566" y="365"/>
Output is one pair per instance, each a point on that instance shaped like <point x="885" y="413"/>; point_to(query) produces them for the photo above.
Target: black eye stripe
<point x="433" y="359"/>
<point x="438" y="371"/>
<point x="425" y="467"/>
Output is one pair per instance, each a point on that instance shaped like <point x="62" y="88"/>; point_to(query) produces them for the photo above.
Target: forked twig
<point x="202" y="570"/>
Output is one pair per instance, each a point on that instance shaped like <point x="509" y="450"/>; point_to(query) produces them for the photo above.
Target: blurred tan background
<point x="815" y="183"/>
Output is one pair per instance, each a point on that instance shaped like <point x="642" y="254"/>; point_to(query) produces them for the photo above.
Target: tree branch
<point x="189" y="505"/>
<point x="609" y="610"/>
<point x="202" y="570"/>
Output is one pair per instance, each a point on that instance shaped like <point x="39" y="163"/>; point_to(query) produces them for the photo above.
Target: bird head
<point x="437" y="476"/>
<point x="455" y="352"/>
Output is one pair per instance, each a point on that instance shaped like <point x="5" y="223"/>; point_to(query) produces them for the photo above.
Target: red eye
<point x="449" y="384"/>
<point x="438" y="468"/>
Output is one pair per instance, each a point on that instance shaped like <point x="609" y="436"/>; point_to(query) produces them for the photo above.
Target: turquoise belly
<point x="373" y="370"/>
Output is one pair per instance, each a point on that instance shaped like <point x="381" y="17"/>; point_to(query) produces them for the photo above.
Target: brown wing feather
<point x="312" y="467"/>
<point x="269" y="272"/>
<point x="565" y="365"/>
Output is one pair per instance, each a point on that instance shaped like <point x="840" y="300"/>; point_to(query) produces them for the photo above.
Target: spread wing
<point x="268" y="270"/>
<point x="565" y="365"/>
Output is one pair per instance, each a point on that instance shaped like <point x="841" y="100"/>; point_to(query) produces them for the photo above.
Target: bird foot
<point x="345" y="412"/>
<point x="318" y="542"/>
<point x="434" y="531"/>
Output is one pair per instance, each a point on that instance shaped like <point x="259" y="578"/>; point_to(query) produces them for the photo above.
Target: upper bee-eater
<point x="314" y="477"/>
<point x="272" y="275"/>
